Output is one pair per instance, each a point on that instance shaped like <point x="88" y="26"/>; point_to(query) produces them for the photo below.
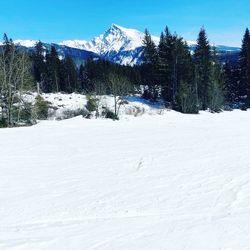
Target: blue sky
<point x="57" y="20"/>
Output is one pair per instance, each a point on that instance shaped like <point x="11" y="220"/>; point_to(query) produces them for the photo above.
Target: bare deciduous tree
<point x="119" y="86"/>
<point x="14" y="77"/>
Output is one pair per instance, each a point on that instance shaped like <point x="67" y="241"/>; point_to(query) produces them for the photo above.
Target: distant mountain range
<point x="119" y="45"/>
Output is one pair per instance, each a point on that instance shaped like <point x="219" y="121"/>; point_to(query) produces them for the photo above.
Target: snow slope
<point x="178" y="182"/>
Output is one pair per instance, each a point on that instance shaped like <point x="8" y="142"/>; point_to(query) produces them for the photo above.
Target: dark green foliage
<point x="176" y="71"/>
<point x="53" y="74"/>
<point x="39" y="65"/>
<point x="203" y="57"/>
<point x="244" y="63"/>
<point x="84" y="81"/>
<point x="52" y="79"/>
<point x="3" y="123"/>
<point x="232" y="83"/>
<point x="151" y="66"/>
<point x="24" y="114"/>
<point x="107" y="113"/>
<point x="27" y="114"/>
<point x="91" y="104"/>
<point x="216" y="86"/>
<point x="95" y="76"/>
<point x="167" y="51"/>
<point x="186" y="99"/>
<point x="41" y="108"/>
<point x="68" y="76"/>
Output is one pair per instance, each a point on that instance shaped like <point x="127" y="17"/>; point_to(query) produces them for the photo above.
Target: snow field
<point x="170" y="181"/>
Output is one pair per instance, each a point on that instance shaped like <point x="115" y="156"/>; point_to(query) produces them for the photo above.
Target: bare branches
<point x="14" y="76"/>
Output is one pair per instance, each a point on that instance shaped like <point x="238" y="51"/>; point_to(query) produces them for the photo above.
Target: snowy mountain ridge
<point x="115" y="38"/>
<point x="118" y="45"/>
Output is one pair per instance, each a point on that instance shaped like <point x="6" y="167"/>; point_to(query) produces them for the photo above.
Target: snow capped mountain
<point x="118" y="39"/>
<point x="118" y="45"/>
<point x="124" y="46"/>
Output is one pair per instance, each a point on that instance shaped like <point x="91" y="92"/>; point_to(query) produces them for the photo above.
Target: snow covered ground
<point x="170" y="181"/>
<point x="63" y="104"/>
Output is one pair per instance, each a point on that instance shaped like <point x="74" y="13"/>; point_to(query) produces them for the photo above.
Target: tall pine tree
<point x="39" y="67"/>
<point x="244" y="63"/>
<point x="216" y="85"/>
<point x="202" y="57"/>
<point x="52" y="83"/>
<point x="151" y="63"/>
<point x="166" y="47"/>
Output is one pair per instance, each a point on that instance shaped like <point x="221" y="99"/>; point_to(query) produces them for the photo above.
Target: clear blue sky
<point x="57" y="20"/>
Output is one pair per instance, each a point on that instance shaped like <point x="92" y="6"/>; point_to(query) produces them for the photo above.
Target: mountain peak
<point x="115" y="26"/>
<point x="117" y="44"/>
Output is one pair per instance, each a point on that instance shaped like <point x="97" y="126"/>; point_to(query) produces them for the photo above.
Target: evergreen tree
<point x="166" y="71"/>
<point x="39" y="67"/>
<point x="216" y="85"/>
<point x="244" y="63"/>
<point x="176" y="72"/>
<point x="202" y="57"/>
<point x="151" y="65"/>
<point x="150" y="51"/>
<point x="70" y="75"/>
<point x="183" y="79"/>
<point x="53" y="68"/>
<point x="232" y="83"/>
<point x="84" y="81"/>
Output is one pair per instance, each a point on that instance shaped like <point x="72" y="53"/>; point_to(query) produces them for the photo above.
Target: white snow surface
<point x="170" y="181"/>
<point x="60" y="105"/>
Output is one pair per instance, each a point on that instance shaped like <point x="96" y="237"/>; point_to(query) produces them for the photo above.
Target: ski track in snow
<point x="171" y="181"/>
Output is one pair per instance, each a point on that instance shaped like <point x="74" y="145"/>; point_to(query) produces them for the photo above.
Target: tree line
<point x="62" y="75"/>
<point x="193" y="82"/>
